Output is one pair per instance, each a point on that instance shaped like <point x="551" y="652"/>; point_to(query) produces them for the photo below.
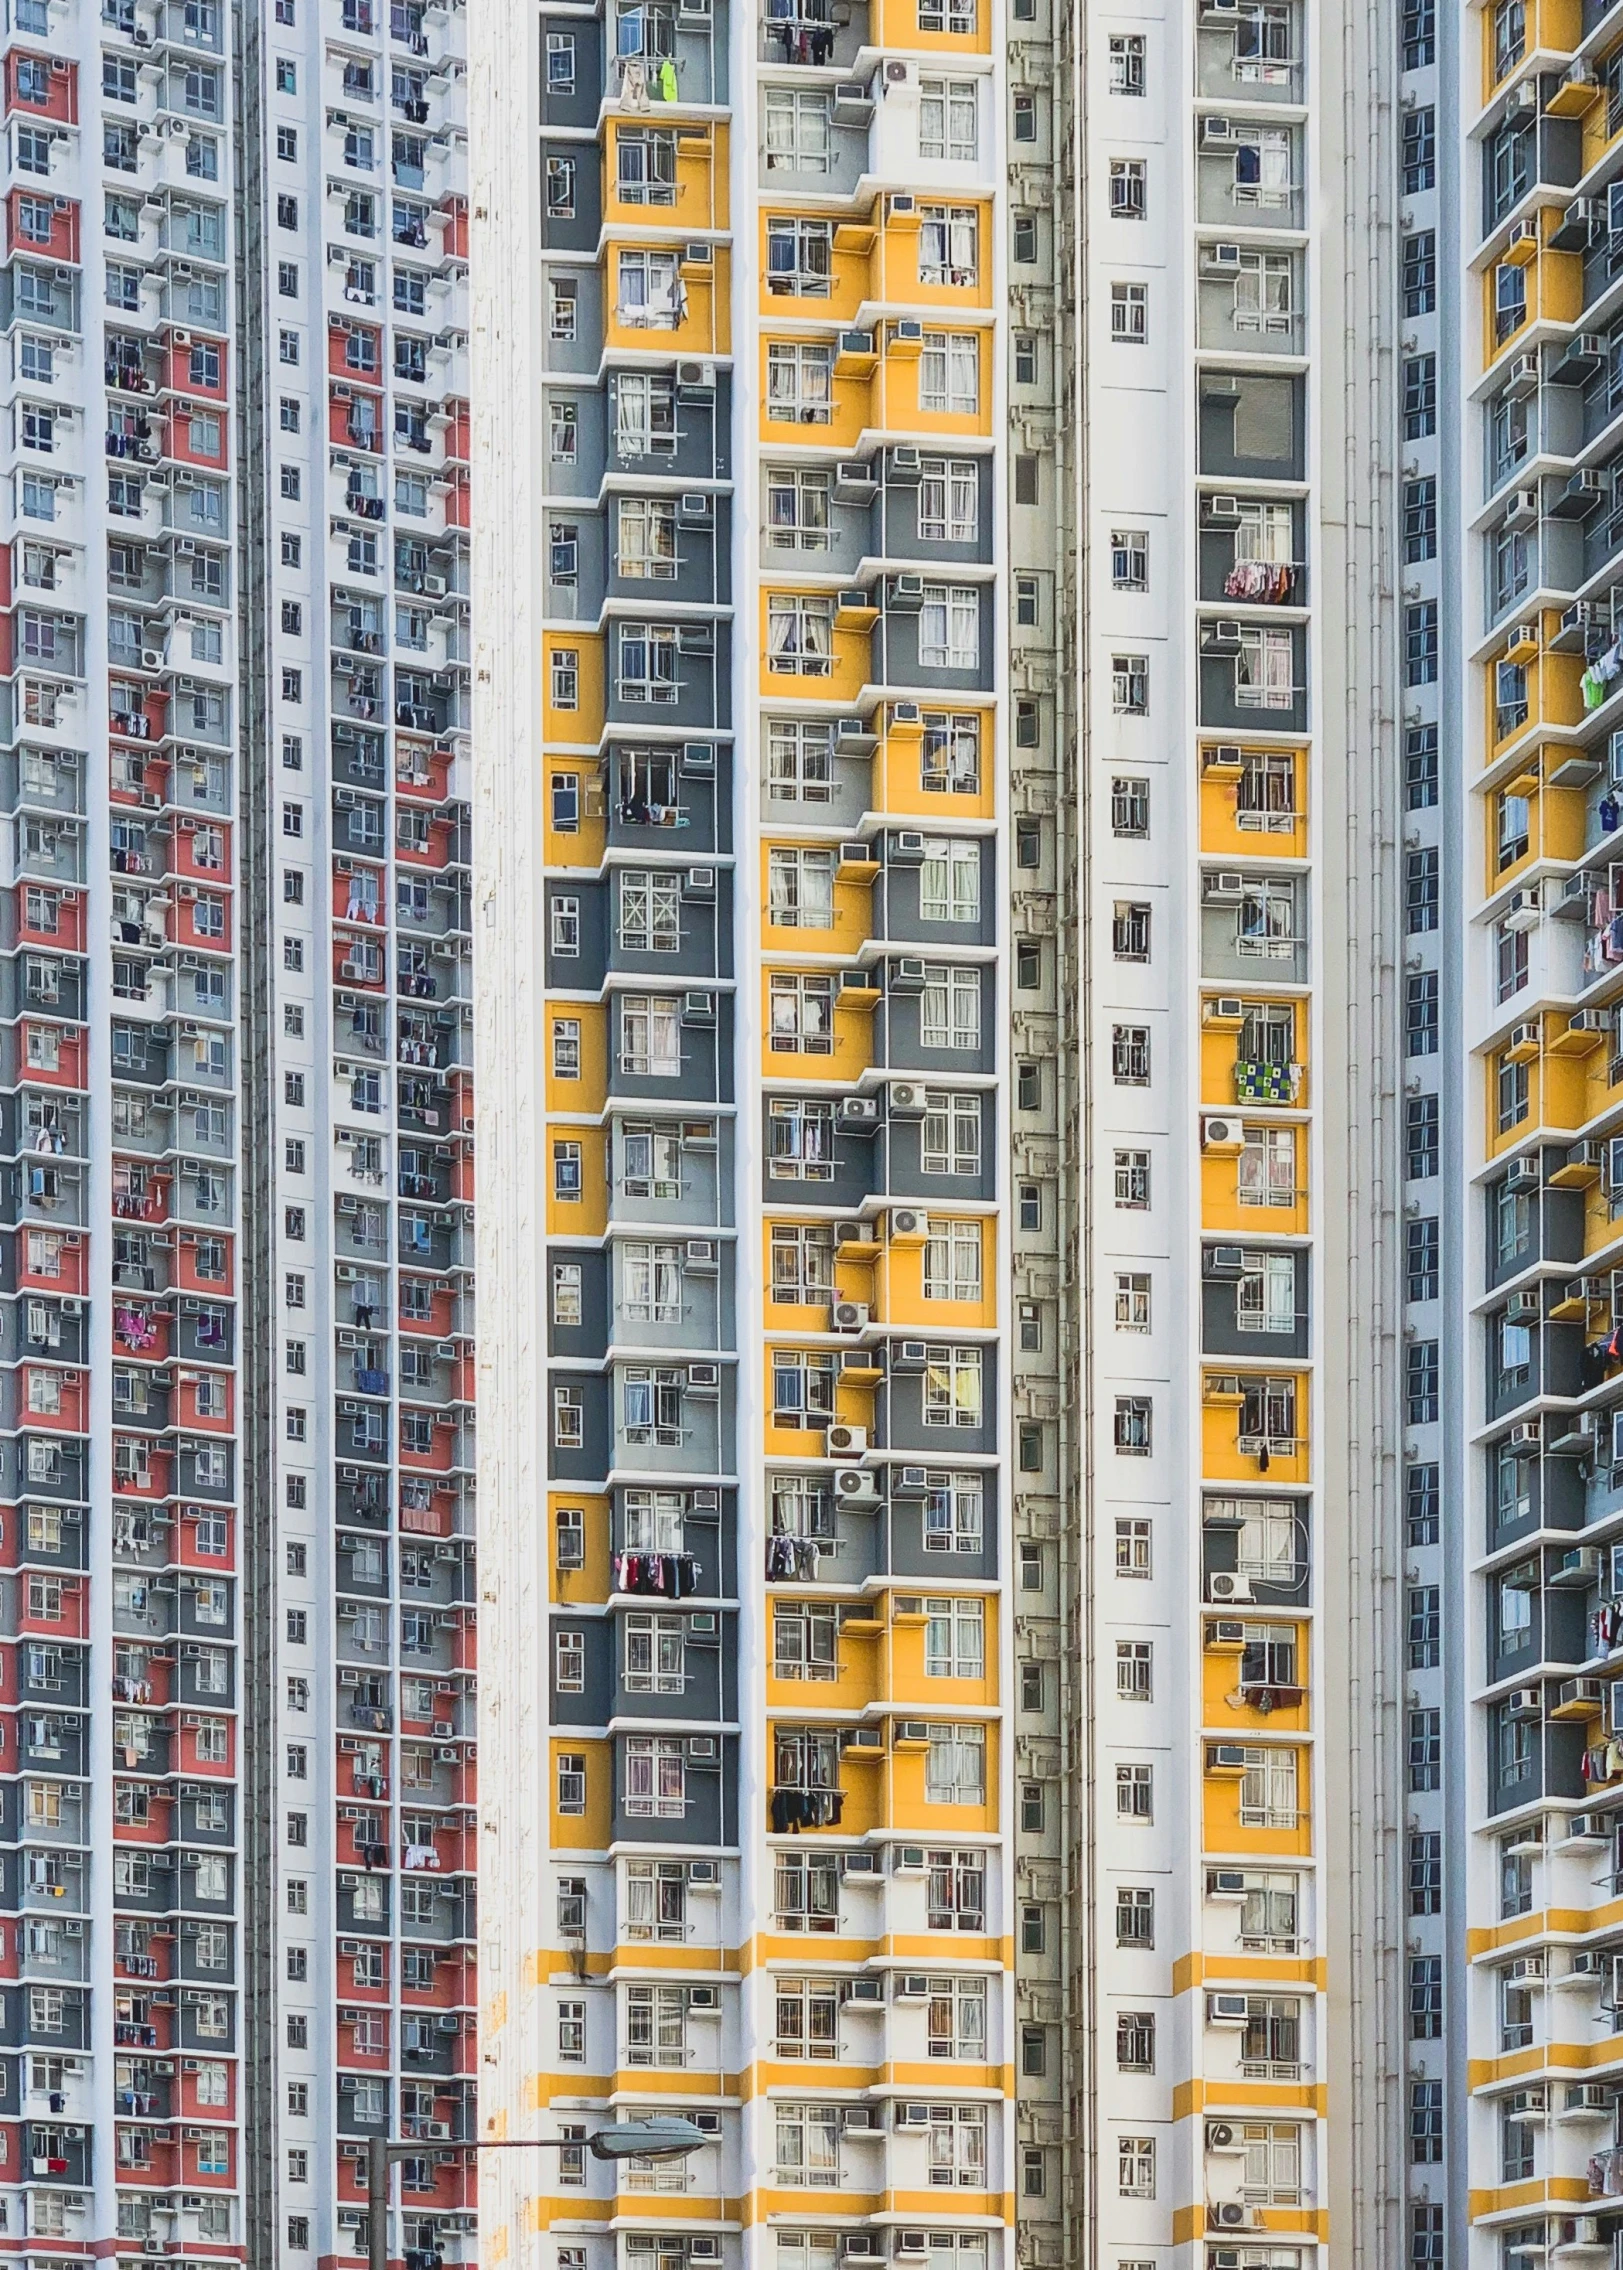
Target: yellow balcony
<point x="1552" y="27"/>
<point x="806" y="654"/>
<point x="665" y="298"/>
<point x="1261" y="1066"/>
<point x="1555" y="816"/>
<point x="1256" y="1184"/>
<point x="891" y="383"/>
<point x="934" y="763"/>
<point x="575" y="1163"/>
<point x="1253" y="802"/>
<point x="817" y="1026"/>
<point x="801" y="886"/>
<point x="896" y="258"/>
<point x="577" y="1035"/>
<point x="914" y="28"/>
<point x="1247" y="1808"/>
<point x="579" y="1523"/>
<point x="591" y="1829"/>
<point x="1254" y="1424"/>
<point x="1551" y="287"/>
<point x="1245" y="1690"/>
<point x="665" y="174"/>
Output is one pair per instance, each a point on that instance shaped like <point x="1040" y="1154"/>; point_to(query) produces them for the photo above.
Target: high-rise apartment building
<point x="935" y="680"/>
<point x="236" y="1676"/>
<point x="1516" y="326"/>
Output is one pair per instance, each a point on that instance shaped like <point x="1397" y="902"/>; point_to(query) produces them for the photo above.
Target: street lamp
<point x="657" y="2139"/>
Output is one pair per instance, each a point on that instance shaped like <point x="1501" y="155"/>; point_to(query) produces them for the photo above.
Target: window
<point x="656" y="1776"/>
<point x="1130" y="314"/>
<point x="947" y="120"/>
<point x="955" y="1638"/>
<point x="949" y="627"/>
<point x="1127" y="63"/>
<point x="952" y="1387"/>
<point x="1419" y="150"/>
<point x="1422" y="1137"/>
<point x="1268" y="1789"/>
<point x="1130" y="1055"/>
<point x="1425" y="1870"/>
<point x="1421" y="1011"/>
<point x="948" y="244"/>
<point x="799" y="257"/>
<point x="1135" y="1792"/>
<point x="1132" y="1426"/>
<point x="950" y="758"/>
<point x="1135" y="2167"/>
<point x="799" y="383"/>
<point x="801" y="1014"/>
<point x="1420" y="272"/>
<point x="950" y="372"/>
<point x="1425" y="1749"/>
<point x="1425" y="2121"/>
<point x="1127" y="185"/>
<point x="797" y="511"/>
<point x="799" y="634"/>
<point x="949" y="500"/>
<point x="1130" y="684"/>
<point x="1419" y="34"/>
<point x="1420" y="519"/>
<point x="808" y="2144"/>
<point x="798" y="133"/>
<point x="950" y="880"/>
<point x="1130" y="931"/>
<point x="950" y="1008"/>
<point x="571" y="1782"/>
<point x="1130" y="559"/>
<point x="1419" y="396"/>
<point x="800" y="889"/>
<point x="650" y="1036"/>
<point x="1135" y="1670"/>
<point x="800" y="1140"/>
<point x="1424" y="1619"/>
<point x="1135" y="2041"/>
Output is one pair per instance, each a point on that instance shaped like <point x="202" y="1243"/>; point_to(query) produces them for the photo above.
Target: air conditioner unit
<point x="1217" y="133"/>
<point x="704" y="1871"/>
<point x="906" y="1098"/>
<point x="910" y="1482"/>
<point x="905" y="713"/>
<point x="1587" y="1828"/>
<point x="698" y="1008"/>
<point x="1225" y="1884"/>
<point x="704" y="1378"/>
<point x="908" y="1222"/>
<point x="1526" y="1435"/>
<point x="699" y="883"/>
<point x="912" y="2116"/>
<point x="1225" y="1757"/>
<point x="1223" y="1261"/>
<point x="859" y="1111"/>
<point x="694" y="504"/>
<point x="1225" y="888"/>
<point x="696" y="376"/>
<point x="1225" y="1584"/>
<point x="850" y="1316"/>
<point x="698" y="255"/>
<point x="1524" y="1702"/>
<point x="1522" y="1308"/>
<point x="1523" y="509"/>
<point x="847" y="1442"/>
<point x="855" y="1488"/>
<point x="912" y="2242"/>
<point x="1524" y="910"/>
<point x="1525" y="1968"/>
<point x="864" y="1990"/>
<point x="1523" y="1173"/>
<point x="1221" y="1135"/>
